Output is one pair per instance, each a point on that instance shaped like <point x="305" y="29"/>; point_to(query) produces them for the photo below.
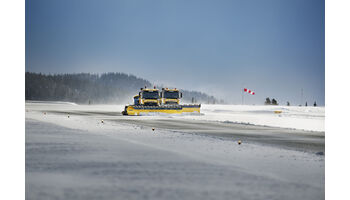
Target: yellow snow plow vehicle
<point x="154" y="101"/>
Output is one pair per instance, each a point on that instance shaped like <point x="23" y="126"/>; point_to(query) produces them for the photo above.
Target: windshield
<point x="150" y="94"/>
<point x="171" y="94"/>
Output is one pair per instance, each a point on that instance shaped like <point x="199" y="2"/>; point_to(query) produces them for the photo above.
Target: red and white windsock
<point x="249" y="91"/>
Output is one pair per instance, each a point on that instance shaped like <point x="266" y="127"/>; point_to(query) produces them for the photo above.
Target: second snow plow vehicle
<point x="155" y="101"/>
<point x="170" y="96"/>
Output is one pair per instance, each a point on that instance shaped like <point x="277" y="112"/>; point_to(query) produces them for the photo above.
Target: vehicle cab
<point x="149" y="97"/>
<point x="170" y="96"/>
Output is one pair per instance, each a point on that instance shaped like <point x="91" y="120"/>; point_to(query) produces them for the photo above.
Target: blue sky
<point x="274" y="47"/>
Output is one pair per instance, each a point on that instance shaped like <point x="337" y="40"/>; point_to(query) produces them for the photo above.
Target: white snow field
<point x="92" y="152"/>
<point x="304" y="118"/>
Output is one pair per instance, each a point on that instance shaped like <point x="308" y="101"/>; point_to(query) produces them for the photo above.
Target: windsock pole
<point x="248" y="91"/>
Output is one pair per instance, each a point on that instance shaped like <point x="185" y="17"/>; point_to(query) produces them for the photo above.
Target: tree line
<point x="90" y="88"/>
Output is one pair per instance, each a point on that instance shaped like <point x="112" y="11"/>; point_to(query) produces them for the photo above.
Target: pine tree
<point x="274" y="102"/>
<point x="267" y="101"/>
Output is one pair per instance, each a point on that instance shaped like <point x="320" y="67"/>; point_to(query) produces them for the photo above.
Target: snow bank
<point x="304" y="118"/>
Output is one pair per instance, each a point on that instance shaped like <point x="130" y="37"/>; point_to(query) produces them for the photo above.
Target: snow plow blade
<point x="169" y="109"/>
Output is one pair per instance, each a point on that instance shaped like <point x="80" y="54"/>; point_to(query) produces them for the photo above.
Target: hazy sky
<point x="274" y="47"/>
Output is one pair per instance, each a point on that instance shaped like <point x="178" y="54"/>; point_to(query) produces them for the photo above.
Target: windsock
<point x="249" y="91"/>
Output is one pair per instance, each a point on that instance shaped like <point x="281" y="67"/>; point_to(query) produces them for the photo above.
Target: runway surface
<point x="93" y="152"/>
<point x="282" y="137"/>
<point x="286" y="138"/>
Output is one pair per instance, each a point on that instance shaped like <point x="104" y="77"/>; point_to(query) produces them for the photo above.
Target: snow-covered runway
<point x="71" y="154"/>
